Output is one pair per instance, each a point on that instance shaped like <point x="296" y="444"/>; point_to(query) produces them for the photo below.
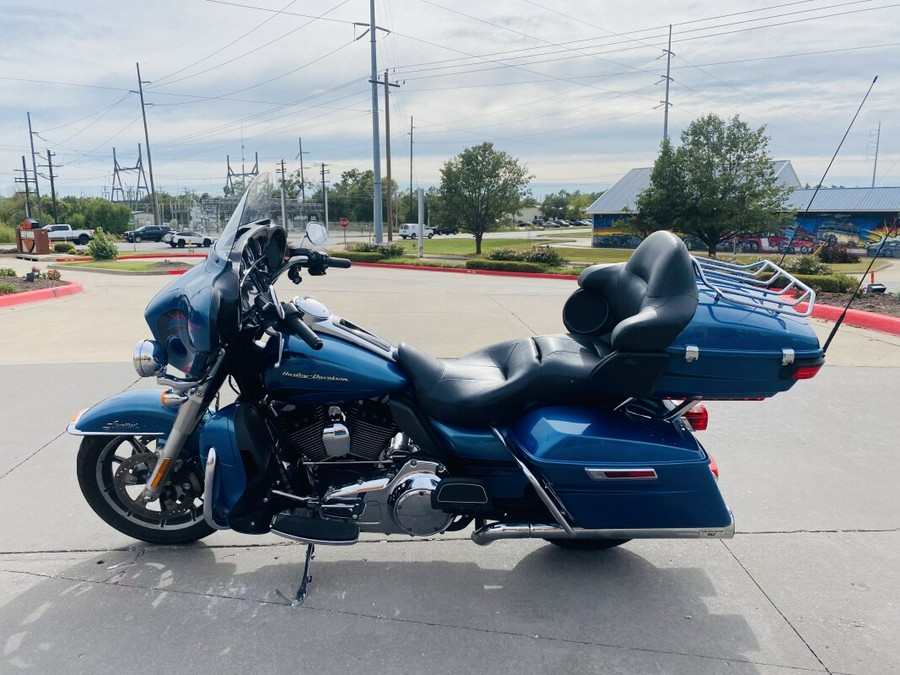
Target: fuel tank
<point x="337" y="372"/>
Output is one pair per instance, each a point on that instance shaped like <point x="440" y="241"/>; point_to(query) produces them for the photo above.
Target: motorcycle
<point x="584" y="439"/>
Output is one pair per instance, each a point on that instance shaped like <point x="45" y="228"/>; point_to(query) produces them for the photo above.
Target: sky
<point x="572" y="89"/>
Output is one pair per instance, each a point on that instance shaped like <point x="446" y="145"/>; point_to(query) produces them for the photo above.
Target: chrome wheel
<point x="112" y="472"/>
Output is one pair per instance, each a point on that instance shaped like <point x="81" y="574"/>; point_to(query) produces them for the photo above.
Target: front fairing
<point x="195" y="314"/>
<point x="199" y="312"/>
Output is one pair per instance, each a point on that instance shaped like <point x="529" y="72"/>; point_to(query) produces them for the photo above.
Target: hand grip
<point x="293" y="323"/>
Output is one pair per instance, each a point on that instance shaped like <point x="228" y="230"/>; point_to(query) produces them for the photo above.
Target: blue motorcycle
<point x="584" y="439"/>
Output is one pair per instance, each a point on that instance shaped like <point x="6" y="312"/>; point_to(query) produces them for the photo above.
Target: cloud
<point x="572" y="92"/>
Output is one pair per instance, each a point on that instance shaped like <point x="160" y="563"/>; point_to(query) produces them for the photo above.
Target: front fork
<point x="192" y="407"/>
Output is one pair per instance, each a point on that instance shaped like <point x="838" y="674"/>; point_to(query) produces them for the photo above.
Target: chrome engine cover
<point x="410" y="504"/>
<point x="395" y="503"/>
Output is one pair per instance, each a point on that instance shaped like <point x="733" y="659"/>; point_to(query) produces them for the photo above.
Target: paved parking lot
<point x="809" y="584"/>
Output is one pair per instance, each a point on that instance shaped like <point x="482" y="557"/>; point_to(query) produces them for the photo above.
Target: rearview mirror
<point x="317" y="233"/>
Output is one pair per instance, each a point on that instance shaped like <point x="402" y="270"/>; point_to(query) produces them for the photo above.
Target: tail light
<point x="713" y="467"/>
<point x="698" y="417"/>
<point x="806" y="372"/>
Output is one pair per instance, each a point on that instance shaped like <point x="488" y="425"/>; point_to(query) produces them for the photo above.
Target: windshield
<point x="256" y="204"/>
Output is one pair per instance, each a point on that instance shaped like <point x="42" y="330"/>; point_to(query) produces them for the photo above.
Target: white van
<point x="410" y="231"/>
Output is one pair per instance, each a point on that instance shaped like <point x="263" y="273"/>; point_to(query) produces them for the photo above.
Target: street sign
<point x="344" y="222"/>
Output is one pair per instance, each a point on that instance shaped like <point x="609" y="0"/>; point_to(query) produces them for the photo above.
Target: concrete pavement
<point x="809" y="584"/>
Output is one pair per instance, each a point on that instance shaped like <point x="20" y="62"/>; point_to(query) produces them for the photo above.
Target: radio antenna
<point x="827" y="169"/>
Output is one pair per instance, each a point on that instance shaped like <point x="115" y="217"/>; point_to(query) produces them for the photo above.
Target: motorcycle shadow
<point x="656" y="598"/>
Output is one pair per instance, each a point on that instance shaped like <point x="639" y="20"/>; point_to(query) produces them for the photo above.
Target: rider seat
<point x="621" y="319"/>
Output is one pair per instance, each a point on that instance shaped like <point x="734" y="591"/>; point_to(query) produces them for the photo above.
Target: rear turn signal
<point x="713" y="467"/>
<point x="806" y="372"/>
<point x="698" y="417"/>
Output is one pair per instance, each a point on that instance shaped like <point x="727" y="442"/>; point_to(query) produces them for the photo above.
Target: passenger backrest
<point x="651" y="298"/>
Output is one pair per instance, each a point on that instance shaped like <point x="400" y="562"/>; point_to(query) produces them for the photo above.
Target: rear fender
<point x="136" y="412"/>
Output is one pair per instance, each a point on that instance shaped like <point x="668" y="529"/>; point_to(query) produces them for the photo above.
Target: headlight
<point x="149" y="358"/>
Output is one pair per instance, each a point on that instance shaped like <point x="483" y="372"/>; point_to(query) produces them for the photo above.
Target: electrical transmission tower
<point x="124" y="192"/>
<point x="242" y="176"/>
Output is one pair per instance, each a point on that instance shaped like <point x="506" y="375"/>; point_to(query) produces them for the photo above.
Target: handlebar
<point x="293" y="323"/>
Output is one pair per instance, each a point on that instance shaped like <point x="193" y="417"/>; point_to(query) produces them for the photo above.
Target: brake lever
<point x="271" y="332"/>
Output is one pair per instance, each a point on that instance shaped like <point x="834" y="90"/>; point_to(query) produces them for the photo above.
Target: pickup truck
<point x="65" y="232"/>
<point x="146" y="233"/>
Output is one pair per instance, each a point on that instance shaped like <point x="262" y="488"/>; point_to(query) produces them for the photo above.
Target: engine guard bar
<point x="490" y="533"/>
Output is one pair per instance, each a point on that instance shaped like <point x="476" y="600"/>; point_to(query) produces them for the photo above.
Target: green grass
<point x="121" y="265"/>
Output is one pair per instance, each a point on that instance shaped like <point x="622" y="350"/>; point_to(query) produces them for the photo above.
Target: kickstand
<point x="304" y="583"/>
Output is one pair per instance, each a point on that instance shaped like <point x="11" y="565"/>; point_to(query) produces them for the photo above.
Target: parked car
<point x="189" y="238"/>
<point x="446" y="230"/>
<point x="891" y="249"/>
<point x="410" y="230"/>
<point x="65" y="232"/>
<point x="617" y="241"/>
<point x="146" y="233"/>
<point x="693" y="242"/>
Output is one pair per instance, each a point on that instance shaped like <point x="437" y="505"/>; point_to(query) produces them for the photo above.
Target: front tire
<point x="207" y="243"/>
<point x="137" y="239"/>
<point x="112" y="471"/>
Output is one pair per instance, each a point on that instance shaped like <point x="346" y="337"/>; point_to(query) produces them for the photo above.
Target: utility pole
<point x="877" y="143"/>
<point x="52" y="176"/>
<point x="302" y="178"/>
<point x="668" y="80"/>
<point x="376" y="149"/>
<point x="409" y="211"/>
<point x="153" y="203"/>
<point x="325" y="194"/>
<point x="26" y="180"/>
<point x="283" y="191"/>
<point x="387" y="153"/>
<point x="37" y="190"/>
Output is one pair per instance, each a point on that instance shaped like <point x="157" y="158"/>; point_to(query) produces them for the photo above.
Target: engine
<point x="381" y="482"/>
<point x="359" y="430"/>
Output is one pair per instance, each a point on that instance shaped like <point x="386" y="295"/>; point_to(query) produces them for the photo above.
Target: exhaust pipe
<point x="490" y="533"/>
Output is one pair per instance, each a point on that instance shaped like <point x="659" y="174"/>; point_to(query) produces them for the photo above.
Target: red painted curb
<point x="855" y="317"/>
<point x="463" y="270"/>
<point x="859" y="318"/>
<point x="42" y="294"/>
<point x="133" y="257"/>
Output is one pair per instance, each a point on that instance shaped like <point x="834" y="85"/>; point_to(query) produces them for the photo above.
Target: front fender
<point x="136" y="412"/>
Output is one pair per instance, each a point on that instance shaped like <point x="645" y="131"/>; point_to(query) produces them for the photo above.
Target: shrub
<point x="834" y="254"/>
<point x="64" y="247"/>
<point x="7" y="272"/>
<point x="7" y="289"/>
<point x="504" y="254"/>
<point x="833" y="283"/>
<point x="545" y="256"/>
<point x="53" y="275"/>
<point x="807" y="264"/>
<point x="362" y="247"/>
<point x="101" y="248"/>
<point x="7" y="235"/>
<point x="504" y="265"/>
<point x="361" y="256"/>
<point x="391" y="250"/>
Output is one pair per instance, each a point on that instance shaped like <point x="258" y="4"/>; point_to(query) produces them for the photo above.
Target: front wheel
<point x="587" y="544"/>
<point x="112" y="471"/>
<point x="137" y="239"/>
<point x="207" y="243"/>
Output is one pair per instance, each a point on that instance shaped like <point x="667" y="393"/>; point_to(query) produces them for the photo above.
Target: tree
<point x="719" y="183"/>
<point x="555" y="206"/>
<point x="479" y="186"/>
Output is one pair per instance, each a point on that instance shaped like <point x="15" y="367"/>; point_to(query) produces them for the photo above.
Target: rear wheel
<point x="112" y="471"/>
<point x="587" y="544"/>
<point x="207" y="243"/>
<point x="83" y="239"/>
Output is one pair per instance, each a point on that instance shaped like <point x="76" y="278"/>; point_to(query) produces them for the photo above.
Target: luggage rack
<point x="759" y="285"/>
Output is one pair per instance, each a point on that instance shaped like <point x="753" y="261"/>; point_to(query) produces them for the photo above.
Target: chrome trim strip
<point x="496" y="531"/>
<point x="74" y="431"/>
<point x="600" y="474"/>
<point x="538" y="488"/>
<point x="313" y="541"/>
<point x="209" y="477"/>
